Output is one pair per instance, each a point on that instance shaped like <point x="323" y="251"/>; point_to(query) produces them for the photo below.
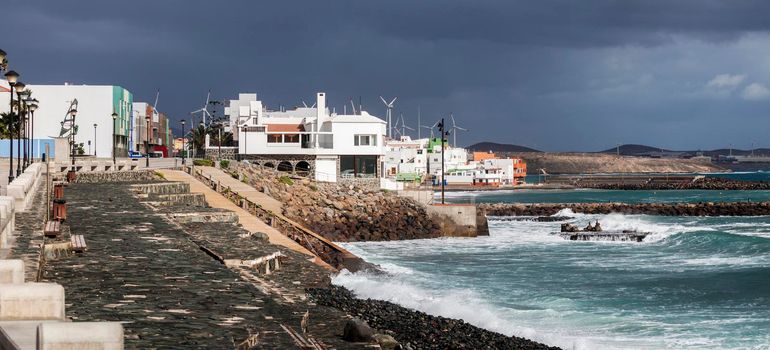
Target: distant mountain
<point x="633" y="150"/>
<point x="498" y="147"/>
<point x="644" y="150"/>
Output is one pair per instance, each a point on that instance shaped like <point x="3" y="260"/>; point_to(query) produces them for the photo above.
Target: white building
<point x="309" y="139"/>
<point x="96" y="103"/>
<point x="405" y="158"/>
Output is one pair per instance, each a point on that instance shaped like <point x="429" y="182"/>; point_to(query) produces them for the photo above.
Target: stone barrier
<point x="23" y="187"/>
<point x="115" y="176"/>
<point x="11" y="271"/>
<point x="80" y="335"/>
<point x="7" y="219"/>
<point x="31" y="301"/>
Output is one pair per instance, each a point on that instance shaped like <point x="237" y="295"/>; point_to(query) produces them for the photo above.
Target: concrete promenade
<point x="249" y="222"/>
<point x="184" y="283"/>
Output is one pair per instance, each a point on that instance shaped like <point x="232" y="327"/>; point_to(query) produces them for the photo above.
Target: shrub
<point x="203" y="162"/>
<point x="286" y="180"/>
<point x="158" y="174"/>
<point x="313" y="187"/>
<point x="224" y="163"/>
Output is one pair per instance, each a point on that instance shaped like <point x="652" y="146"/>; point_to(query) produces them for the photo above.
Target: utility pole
<point x="443" y="141"/>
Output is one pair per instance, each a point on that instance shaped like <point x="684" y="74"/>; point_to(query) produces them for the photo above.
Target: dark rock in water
<point x="357" y="331"/>
<point x="387" y="342"/>
<point x="418" y="330"/>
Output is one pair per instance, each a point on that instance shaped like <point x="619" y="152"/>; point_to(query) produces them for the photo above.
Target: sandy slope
<point x="582" y="163"/>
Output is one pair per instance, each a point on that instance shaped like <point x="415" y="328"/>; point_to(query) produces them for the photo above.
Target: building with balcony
<point x="158" y="136"/>
<point x="313" y="140"/>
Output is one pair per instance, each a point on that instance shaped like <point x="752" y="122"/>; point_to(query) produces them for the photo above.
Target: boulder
<point x="387" y="342"/>
<point x="357" y="330"/>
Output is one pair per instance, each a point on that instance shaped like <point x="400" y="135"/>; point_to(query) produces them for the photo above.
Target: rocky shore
<point x="697" y="184"/>
<point x="665" y="209"/>
<point x="415" y="329"/>
<point x="343" y="213"/>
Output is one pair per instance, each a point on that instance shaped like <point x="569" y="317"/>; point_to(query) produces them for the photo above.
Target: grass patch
<point x="158" y="174"/>
<point x="203" y="162"/>
<point x="286" y="180"/>
<point x="224" y="163"/>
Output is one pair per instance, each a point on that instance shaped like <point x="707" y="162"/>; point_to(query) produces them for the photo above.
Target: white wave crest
<point x="458" y="304"/>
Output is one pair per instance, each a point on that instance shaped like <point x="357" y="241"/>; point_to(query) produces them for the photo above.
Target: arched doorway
<point x="285" y="167"/>
<point x="302" y="168"/>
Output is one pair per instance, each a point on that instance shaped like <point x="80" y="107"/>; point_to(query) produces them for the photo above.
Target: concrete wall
<point x="458" y="220"/>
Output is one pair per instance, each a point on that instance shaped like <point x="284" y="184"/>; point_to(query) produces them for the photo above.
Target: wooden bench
<point x="78" y="243"/>
<point x="52" y="228"/>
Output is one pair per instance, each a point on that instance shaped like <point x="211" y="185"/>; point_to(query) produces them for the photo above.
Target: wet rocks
<point x="357" y="331"/>
<point x="663" y="209"/>
<point x="417" y="330"/>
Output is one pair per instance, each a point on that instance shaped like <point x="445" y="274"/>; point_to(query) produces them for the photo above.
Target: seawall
<point x="666" y="209"/>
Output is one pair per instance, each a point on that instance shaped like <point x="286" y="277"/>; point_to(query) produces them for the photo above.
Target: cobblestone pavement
<point x="149" y="272"/>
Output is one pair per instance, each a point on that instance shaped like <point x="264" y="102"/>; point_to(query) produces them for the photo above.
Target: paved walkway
<point x="249" y="222"/>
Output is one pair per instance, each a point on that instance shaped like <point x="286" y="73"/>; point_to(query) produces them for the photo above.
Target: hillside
<point x="631" y="149"/>
<point x="595" y="163"/>
<point x="498" y="147"/>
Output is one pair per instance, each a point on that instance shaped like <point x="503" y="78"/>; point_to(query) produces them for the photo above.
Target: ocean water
<point x="592" y="195"/>
<point x="695" y="283"/>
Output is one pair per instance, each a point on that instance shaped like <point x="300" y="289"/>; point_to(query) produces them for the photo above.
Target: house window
<point x="358" y="166"/>
<point x="274" y="138"/>
<point x="365" y="140"/>
<point x="291" y="138"/>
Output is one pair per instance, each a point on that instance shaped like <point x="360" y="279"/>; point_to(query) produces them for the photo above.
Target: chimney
<point x="320" y="105"/>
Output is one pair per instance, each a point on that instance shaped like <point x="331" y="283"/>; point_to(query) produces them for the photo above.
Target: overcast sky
<point x="553" y="75"/>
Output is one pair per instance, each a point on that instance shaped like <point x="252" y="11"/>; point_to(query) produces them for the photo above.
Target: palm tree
<point x="8" y="125"/>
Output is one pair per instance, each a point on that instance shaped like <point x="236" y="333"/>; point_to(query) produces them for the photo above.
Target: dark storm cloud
<point x="549" y="72"/>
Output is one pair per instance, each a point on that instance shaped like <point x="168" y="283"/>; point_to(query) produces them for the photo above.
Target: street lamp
<point x="23" y="109"/>
<point x="114" y="118"/>
<point x="12" y="78"/>
<point x="94" y="140"/>
<point x="147" y="142"/>
<point x="19" y="87"/>
<point x="32" y="109"/>
<point x="184" y="155"/>
<point x="28" y="102"/>
<point x="201" y="125"/>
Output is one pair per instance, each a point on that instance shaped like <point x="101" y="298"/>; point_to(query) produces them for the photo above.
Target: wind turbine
<point x="454" y="130"/>
<point x="430" y="128"/>
<point x="390" y="112"/>
<point x="204" y="111"/>
<point x="404" y="127"/>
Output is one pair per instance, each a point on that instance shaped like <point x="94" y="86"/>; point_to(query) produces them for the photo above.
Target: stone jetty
<point x="664" y="209"/>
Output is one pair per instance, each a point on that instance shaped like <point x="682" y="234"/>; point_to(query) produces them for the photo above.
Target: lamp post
<point x="184" y="155"/>
<point x="32" y="109"/>
<point x="95" y="140"/>
<point x="201" y="125"/>
<point x="114" y="119"/>
<point x="23" y="100"/>
<point x="19" y="87"/>
<point x="443" y="141"/>
<point x="147" y="142"/>
<point x="219" y="142"/>
<point x="27" y="132"/>
<point x="12" y="78"/>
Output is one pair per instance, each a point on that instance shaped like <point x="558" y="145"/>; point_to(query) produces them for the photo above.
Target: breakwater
<point x="665" y="209"/>
<point x="670" y="183"/>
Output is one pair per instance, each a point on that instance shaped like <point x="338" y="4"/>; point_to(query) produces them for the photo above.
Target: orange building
<point x="481" y="156"/>
<point x="519" y="170"/>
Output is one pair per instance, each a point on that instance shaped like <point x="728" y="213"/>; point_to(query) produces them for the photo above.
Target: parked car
<point x="135" y="155"/>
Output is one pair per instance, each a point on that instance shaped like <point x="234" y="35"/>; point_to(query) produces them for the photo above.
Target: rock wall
<point x="116" y="176"/>
<point x="343" y="213"/>
<point x="666" y="209"/>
